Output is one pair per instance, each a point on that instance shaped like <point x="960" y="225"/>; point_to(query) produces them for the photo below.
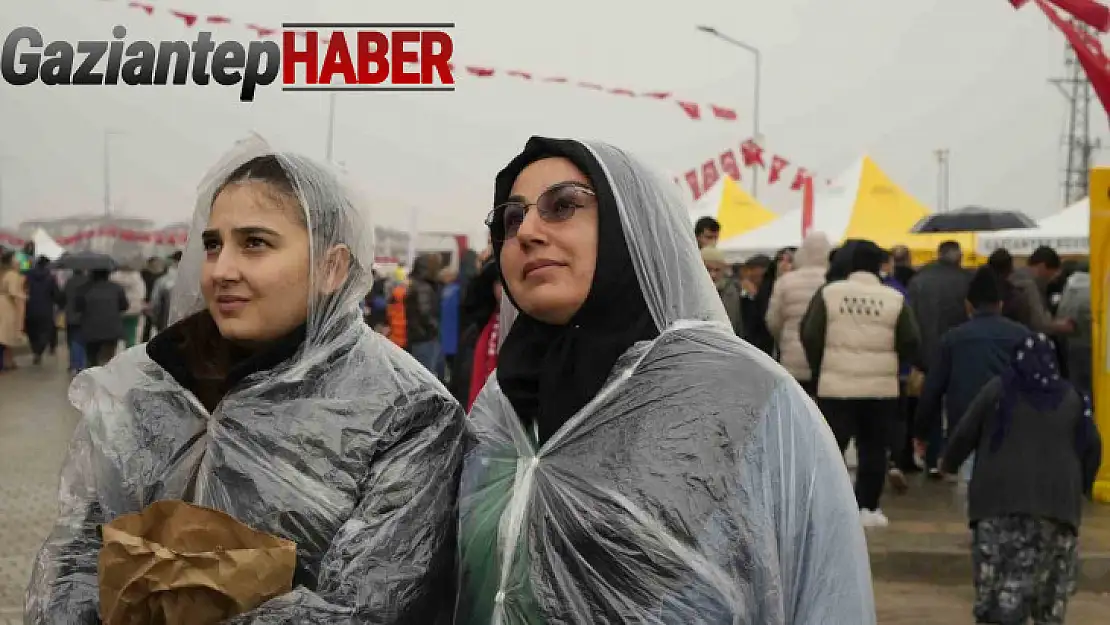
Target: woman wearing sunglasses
<point x="635" y="461"/>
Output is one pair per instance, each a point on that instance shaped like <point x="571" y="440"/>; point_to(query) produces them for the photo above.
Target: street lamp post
<point x="758" y="78"/>
<point x="108" y="134"/>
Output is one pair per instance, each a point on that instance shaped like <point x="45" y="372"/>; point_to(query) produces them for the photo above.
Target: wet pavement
<point x="919" y="561"/>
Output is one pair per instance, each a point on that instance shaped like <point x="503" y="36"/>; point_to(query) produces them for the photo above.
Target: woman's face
<point x="548" y="267"/>
<point x="256" y="272"/>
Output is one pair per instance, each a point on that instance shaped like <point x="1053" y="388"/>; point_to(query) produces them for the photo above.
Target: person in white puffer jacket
<point x="790" y="299"/>
<point x="130" y="278"/>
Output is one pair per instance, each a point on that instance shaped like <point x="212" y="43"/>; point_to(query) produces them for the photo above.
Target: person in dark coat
<point x="1037" y="451"/>
<point x="479" y="303"/>
<point x="42" y="297"/>
<point x="76" y="344"/>
<point x="101" y="304"/>
<point x="970" y="355"/>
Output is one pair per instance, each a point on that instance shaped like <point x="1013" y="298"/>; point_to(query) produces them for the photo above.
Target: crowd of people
<point x="966" y="372"/>
<point x="96" y="308"/>
<point x="578" y="425"/>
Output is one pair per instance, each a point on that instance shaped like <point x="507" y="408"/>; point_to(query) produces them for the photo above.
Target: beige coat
<point x="134" y="288"/>
<point x="13" y="300"/>
<point x="790" y="299"/>
<point x="861" y="357"/>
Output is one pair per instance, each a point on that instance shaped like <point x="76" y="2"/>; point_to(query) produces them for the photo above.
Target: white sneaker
<point x="873" y="518"/>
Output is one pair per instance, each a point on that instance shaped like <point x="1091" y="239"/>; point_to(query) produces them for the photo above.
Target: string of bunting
<point x="693" y="110"/>
<point x="701" y="179"/>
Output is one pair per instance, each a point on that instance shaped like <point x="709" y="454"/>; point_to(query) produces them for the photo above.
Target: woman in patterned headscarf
<point x="1025" y="515"/>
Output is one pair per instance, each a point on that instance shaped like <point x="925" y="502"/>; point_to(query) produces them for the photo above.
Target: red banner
<point x="1089" y="52"/>
<point x="1089" y="12"/>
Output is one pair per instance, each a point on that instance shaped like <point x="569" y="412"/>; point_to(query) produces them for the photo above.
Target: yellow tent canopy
<point x="861" y="203"/>
<point x="736" y="210"/>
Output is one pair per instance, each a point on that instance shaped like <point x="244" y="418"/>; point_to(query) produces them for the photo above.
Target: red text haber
<point x="368" y="57"/>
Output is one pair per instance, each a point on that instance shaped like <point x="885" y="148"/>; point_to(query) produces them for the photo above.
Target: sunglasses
<point x="558" y="203"/>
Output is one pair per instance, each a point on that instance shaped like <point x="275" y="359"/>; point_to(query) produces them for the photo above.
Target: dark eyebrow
<point x="245" y="231"/>
<point x="516" y="198"/>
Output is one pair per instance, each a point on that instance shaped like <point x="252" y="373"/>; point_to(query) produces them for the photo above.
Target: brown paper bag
<point x="179" y="564"/>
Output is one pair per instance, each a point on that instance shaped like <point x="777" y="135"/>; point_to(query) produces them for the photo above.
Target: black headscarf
<point x="548" y="372"/>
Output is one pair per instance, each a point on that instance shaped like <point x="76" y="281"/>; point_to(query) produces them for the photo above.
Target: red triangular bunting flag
<point x="519" y="74"/>
<point x="262" y="30"/>
<point x="149" y="8"/>
<point x="799" y="179"/>
<point x="778" y="164"/>
<point x="729" y="165"/>
<point x="619" y="91"/>
<point x="484" y="72"/>
<point x="590" y="85"/>
<point x="188" y="18"/>
<point x="658" y="95"/>
<point x="709" y="175"/>
<point x="1019" y="3"/>
<point x="692" y="180"/>
<point x="692" y="109"/>
<point x="559" y="79"/>
<point x="751" y="153"/>
<point x="218" y="19"/>
<point x="1089" y="12"/>
<point x="722" y="113"/>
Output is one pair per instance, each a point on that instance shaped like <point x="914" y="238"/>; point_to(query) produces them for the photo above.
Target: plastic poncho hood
<point x="700" y="485"/>
<point x="346" y="446"/>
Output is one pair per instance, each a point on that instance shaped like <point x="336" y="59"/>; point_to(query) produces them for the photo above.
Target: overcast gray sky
<point x="892" y="79"/>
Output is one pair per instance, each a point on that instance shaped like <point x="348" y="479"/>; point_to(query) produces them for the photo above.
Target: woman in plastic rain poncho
<point x="635" y="461"/>
<point x="271" y="400"/>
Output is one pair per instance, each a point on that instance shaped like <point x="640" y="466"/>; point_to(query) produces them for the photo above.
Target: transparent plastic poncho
<point x="701" y="485"/>
<point x="350" y="448"/>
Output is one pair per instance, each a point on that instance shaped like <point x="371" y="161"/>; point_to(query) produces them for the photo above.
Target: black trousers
<point x="868" y="421"/>
<point x="99" y="353"/>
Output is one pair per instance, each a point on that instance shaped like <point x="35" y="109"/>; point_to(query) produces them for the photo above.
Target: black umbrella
<point x="974" y="219"/>
<point x="86" y="261"/>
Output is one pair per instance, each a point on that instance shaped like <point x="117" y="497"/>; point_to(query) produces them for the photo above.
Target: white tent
<point x="46" y="246"/>
<point x="1067" y="232"/>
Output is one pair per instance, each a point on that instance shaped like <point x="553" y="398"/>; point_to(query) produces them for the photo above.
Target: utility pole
<point x="108" y="134"/>
<point x="1077" y="137"/>
<point x="942" y="179"/>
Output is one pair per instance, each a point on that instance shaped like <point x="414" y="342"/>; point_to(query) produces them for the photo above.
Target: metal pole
<point x="755" y="113"/>
<point x="107" y="176"/>
<point x="331" y="126"/>
<point x="758" y="80"/>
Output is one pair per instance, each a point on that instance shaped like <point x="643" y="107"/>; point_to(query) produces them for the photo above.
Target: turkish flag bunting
<point x="483" y="72"/>
<point x="692" y="180"/>
<point x="218" y="19"/>
<point x="778" y="164"/>
<point x="261" y="30"/>
<point x="800" y="179"/>
<point x="188" y="18"/>
<point x="729" y="165"/>
<point x="591" y="85"/>
<point x="1019" y="3"/>
<point x="555" y="79"/>
<point x="658" y="95"/>
<point x="619" y="91"/>
<point x="1090" y="12"/>
<point x="751" y="153"/>
<point x="1089" y="52"/>
<point x="692" y="109"/>
<point x="519" y="74"/>
<point x="709" y="175"/>
<point x="722" y="113"/>
<point x="149" y="8"/>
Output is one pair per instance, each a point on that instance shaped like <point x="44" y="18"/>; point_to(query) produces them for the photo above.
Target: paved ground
<point x="36" y="421"/>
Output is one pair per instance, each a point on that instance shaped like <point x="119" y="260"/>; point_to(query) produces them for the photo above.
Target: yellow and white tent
<point x="861" y="203"/>
<point x="736" y="210"/>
